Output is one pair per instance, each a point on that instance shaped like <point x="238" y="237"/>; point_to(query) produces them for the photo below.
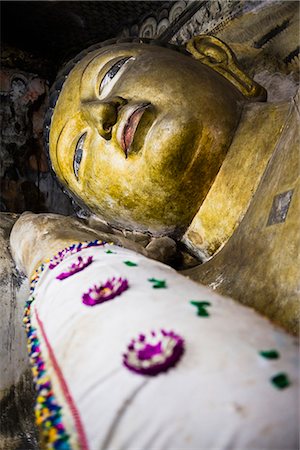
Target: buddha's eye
<point x="78" y="154"/>
<point x="112" y="72"/>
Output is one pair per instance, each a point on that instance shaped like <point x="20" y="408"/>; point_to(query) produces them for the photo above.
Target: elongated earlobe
<point x="217" y="55"/>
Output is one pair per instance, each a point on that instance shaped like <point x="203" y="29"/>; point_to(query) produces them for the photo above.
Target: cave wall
<point x="25" y="179"/>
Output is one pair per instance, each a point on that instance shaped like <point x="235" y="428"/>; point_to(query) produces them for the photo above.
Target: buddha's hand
<point x="36" y="237"/>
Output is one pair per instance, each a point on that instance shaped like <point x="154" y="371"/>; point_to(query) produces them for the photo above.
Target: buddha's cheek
<point x="141" y="203"/>
<point x="150" y="189"/>
<point x="171" y="148"/>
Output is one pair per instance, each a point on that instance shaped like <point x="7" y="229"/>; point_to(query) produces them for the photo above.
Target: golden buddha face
<point x="139" y="133"/>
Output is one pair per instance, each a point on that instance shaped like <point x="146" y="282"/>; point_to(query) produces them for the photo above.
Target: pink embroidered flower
<point x="79" y="265"/>
<point x="104" y="292"/>
<point x="150" y="355"/>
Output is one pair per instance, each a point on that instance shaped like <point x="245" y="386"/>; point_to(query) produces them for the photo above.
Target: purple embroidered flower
<point x="104" y="292"/>
<point x="155" y="353"/>
<point x="79" y="265"/>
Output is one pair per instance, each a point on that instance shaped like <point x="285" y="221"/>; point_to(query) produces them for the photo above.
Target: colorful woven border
<point x="47" y="410"/>
<point x="74" y="248"/>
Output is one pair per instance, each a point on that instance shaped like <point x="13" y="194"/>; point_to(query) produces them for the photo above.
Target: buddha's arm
<point x="37" y="237"/>
<point x="209" y="350"/>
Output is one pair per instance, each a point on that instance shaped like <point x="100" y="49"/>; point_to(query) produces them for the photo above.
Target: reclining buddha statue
<point x="125" y="352"/>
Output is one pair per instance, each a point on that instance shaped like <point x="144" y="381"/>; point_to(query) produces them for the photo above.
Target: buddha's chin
<point x="155" y="230"/>
<point x="154" y="226"/>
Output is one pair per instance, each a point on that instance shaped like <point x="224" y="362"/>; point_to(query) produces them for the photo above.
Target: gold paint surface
<point x="178" y="146"/>
<point x="232" y="191"/>
<point x="217" y="55"/>
<point x="259" y="265"/>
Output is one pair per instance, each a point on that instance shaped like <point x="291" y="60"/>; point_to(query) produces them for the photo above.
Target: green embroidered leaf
<point x="280" y="381"/>
<point x="201" y="307"/>
<point x="157" y="284"/>
<point x="269" y="354"/>
<point x="130" y="263"/>
<point x="109" y="252"/>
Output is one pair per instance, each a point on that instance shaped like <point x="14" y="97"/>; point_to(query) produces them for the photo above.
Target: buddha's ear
<point x="217" y="55"/>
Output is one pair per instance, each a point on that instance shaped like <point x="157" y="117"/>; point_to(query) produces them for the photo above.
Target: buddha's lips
<point x="131" y="126"/>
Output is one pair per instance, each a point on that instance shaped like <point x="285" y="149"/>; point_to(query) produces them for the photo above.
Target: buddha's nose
<point x="103" y="114"/>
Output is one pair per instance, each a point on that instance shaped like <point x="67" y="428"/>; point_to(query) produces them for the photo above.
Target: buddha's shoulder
<point x="257" y="193"/>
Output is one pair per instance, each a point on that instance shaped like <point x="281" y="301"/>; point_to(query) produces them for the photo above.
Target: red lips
<point x="131" y="126"/>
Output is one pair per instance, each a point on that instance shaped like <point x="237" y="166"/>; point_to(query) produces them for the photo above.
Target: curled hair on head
<point x="57" y="86"/>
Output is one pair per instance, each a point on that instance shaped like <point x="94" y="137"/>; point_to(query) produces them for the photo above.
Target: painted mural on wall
<point x="25" y="179"/>
<point x="23" y="102"/>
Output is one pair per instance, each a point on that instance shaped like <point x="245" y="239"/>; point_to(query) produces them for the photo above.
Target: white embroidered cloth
<point x="218" y="396"/>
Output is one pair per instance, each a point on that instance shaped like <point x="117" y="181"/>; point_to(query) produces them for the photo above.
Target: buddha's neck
<point x="256" y="138"/>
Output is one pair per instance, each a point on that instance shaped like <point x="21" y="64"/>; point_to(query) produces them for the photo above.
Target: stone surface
<point x="162" y="249"/>
<point x="18" y="431"/>
<point x="16" y="392"/>
<point x="60" y="30"/>
<point x="14" y="292"/>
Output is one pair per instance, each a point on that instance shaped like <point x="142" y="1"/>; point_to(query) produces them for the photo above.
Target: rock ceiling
<point x="55" y="30"/>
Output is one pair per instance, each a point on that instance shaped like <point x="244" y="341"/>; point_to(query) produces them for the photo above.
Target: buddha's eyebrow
<point x="57" y="145"/>
<point x="60" y="133"/>
<point x="93" y="59"/>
